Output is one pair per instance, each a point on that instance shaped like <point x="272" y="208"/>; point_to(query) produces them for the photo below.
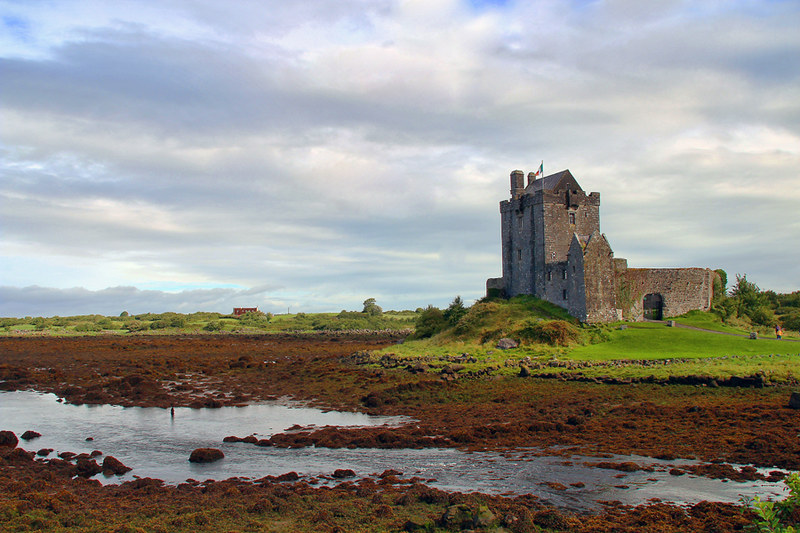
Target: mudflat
<point x="718" y="426"/>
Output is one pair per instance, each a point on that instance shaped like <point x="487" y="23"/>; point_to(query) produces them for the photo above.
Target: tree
<point x="747" y="300"/>
<point x="371" y="308"/>
<point x="455" y="311"/>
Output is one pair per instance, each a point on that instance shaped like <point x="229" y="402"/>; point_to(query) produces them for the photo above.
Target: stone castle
<point x="553" y="250"/>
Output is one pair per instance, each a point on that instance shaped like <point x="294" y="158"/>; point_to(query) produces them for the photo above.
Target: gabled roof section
<point x="597" y="240"/>
<point x="560" y="181"/>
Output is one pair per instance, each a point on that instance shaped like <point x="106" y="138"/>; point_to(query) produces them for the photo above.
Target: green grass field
<point x="656" y="341"/>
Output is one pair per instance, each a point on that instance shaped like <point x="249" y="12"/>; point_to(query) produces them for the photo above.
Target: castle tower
<point x="539" y="224"/>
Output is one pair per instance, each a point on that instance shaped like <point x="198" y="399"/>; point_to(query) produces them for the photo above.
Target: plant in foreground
<point x="781" y="516"/>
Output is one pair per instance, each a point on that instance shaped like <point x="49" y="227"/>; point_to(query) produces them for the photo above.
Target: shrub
<point x="214" y="325"/>
<point x="430" y="322"/>
<point x="778" y="517"/>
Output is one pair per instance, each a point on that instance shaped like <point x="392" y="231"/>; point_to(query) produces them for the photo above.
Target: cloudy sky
<point x="194" y="155"/>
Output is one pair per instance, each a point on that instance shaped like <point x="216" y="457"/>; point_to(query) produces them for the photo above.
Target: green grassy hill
<point x="554" y="342"/>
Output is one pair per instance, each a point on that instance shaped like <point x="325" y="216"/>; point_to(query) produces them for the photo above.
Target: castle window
<point x="572" y="218"/>
<point x="519" y="254"/>
<point x="564" y="273"/>
<point x="564" y="294"/>
<point x="549" y="276"/>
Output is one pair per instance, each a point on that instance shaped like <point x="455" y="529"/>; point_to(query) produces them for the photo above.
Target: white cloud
<point x="353" y="149"/>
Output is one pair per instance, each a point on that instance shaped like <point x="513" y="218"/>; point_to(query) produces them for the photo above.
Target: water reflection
<point x="156" y="444"/>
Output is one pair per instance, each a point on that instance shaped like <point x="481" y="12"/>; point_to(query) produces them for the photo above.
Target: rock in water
<point x="88" y="467"/>
<point x="342" y="473"/>
<point x="8" y="438"/>
<point x="206" y="455"/>
<point x="29" y="435"/>
<point x="114" y="467"/>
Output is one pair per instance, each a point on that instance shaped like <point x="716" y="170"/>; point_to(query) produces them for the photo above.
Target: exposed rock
<point x="794" y="400"/>
<point x="390" y="472"/>
<point x="30" y="435"/>
<point x="416" y="524"/>
<point x="206" y="455"/>
<point x="506" y="344"/>
<point x="114" y="467"/>
<point x="44" y="452"/>
<point x="524" y="371"/>
<point x="341" y="473"/>
<point x="419" y="368"/>
<point x="288" y="476"/>
<point x="18" y="455"/>
<point x="88" y="467"/>
<point x="8" y="438"/>
<point x="463" y="517"/>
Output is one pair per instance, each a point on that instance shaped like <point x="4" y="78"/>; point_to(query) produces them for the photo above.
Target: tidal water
<point x="155" y="444"/>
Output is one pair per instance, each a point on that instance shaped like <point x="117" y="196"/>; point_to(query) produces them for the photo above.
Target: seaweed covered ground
<point x="715" y="425"/>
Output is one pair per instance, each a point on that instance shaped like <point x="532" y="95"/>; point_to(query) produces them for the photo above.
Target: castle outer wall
<point x="682" y="289"/>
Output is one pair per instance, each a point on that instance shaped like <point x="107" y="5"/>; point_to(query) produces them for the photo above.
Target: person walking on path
<point x="778" y="331"/>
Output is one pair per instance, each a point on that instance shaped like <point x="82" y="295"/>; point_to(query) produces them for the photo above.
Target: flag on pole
<point x="540" y="172"/>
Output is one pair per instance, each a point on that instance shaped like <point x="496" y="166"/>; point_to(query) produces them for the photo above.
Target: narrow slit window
<point x="564" y="294"/>
<point x="572" y="218"/>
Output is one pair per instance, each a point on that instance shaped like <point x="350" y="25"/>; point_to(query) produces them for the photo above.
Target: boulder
<point x="524" y="371"/>
<point x="88" y="467"/>
<point x="463" y="516"/>
<point x="114" y="467"/>
<point x="206" y="455"/>
<point x="341" y="473"/>
<point x="8" y="438"/>
<point x="506" y="344"/>
<point x="288" y="476"/>
<point x="794" y="400"/>
<point x="44" y="452"/>
<point x="30" y="435"/>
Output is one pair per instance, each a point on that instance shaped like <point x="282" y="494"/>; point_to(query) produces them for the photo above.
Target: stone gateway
<point x="553" y="249"/>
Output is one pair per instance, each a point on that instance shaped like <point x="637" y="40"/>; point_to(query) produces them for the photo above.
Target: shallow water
<point x="157" y="445"/>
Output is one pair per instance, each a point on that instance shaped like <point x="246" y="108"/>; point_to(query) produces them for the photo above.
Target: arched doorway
<point x="653" y="306"/>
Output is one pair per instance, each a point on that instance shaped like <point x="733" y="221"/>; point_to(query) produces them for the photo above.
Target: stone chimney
<point x="517" y="180"/>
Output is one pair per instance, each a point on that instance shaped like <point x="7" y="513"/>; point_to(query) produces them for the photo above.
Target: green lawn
<point x="657" y="341"/>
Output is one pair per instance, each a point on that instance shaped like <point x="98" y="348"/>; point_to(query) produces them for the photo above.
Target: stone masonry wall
<point x="600" y="291"/>
<point x="683" y="289"/>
